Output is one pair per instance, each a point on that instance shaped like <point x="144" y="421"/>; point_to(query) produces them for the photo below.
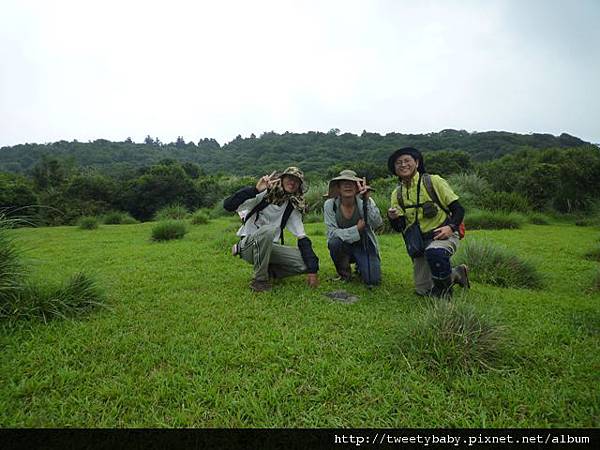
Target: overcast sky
<point x="115" y="69"/>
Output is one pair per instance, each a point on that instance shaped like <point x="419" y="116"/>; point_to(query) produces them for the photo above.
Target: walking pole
<point x="366" y="236"/>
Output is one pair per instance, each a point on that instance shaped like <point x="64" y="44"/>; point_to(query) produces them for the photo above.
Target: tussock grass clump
<point x="172" y="212"/>
<point x="168" y="230"/>
<point x="453" y="335"/>
<point x="593" y="254"/>
<point x="493" y="264"/>
<point x="88" y="223"/>
<point x="538" y="219"/>
<point x="488" y="220"/>
<point x="12" y="270"/>
<point x="200" y="218"/>
<point x="118" y="218"/>
<point x="42" y="302"/>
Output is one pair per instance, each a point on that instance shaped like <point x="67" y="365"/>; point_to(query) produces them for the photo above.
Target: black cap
<point x="416" y="154"/>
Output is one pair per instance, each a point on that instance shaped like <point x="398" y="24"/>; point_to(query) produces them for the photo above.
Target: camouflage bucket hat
<point x="295" y="172"/>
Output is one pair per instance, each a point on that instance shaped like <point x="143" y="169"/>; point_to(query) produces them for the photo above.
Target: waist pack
<point x="413" y="239"/>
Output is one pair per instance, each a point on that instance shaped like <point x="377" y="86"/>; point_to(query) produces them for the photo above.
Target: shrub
<point x="503" y="201"/>
<point x="200" y="217"/>
<point x="488" y="220"/>
<point x="88" y="223"/>
<point x="453" y="335"/>
<point x="538" y="219"/>
<point x="44" y="302"/>
<point x="469" y="187"/>
<point x="315" y="196"/>
<point x="169" y="229"/>
<point x="174" y="212"/>
<point x="593" y="254"/>
<point x="118" y="218"/>
<point x="492" y="264"/>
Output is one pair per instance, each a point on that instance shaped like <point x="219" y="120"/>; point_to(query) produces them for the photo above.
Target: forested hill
<point x="313" y="151"/>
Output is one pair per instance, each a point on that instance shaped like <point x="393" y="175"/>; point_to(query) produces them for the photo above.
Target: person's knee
<point x="438" y="260"/>
<point x="335" y="244"/>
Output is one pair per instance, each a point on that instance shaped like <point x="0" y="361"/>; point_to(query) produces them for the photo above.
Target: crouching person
<point x="275" y="203"/>
<point x="425" y="209"/>
<point x="350" y="222"/>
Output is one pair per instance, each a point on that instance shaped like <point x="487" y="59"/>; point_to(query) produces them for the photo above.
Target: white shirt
<point x="271" y="215"/>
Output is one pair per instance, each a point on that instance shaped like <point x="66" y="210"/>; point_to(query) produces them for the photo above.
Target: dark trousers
<point x="342" y="253"/>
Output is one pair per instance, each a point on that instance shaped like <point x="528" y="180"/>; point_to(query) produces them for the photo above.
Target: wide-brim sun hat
<point x="345" y="175"/>
<point x="416" y="154"/>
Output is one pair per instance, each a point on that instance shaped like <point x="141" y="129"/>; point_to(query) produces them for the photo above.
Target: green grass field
<point x="184" y="343"/>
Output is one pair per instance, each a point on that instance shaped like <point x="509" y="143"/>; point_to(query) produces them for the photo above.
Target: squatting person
<point x="351" y="216"/>
<point x="427" y="211"/>
<point x="274" y="204"/>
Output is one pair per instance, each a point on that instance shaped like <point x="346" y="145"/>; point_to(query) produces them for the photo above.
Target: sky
<point x="110" y="69"/>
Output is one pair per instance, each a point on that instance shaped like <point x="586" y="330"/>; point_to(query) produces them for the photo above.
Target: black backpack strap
<point x="258" y="208"/>
<point x="433" y="194"/>
<point x="286" y="215"/>
<point x="401" y="199"/>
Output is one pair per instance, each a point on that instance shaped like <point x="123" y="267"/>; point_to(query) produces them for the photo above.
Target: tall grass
<point x="12" y="270"/>
<point x="493" y="264"/>
<point x="453" y="335"/>
<point x="489" y="220"/>
<point x="43" y="302"/>
<point x="168" y="230"/>
<point x="172" y="212"/>
<point x="88" y="223"/>
<point x="118" y="218"/>
<point x="200" y="217"/>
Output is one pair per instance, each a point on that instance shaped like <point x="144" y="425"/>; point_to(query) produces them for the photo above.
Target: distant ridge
<point x="313" y="151"/>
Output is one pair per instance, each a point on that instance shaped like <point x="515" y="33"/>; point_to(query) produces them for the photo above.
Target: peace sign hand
<point x="265" y="182"/>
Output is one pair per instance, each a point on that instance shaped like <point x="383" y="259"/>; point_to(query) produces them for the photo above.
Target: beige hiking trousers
<point x="267" y="256"/>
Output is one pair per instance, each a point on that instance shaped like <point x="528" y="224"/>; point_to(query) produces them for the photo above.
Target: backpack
<point x="262" y="205"/>
<point x="434" y="197"/>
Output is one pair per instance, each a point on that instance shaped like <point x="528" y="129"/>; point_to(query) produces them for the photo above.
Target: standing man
<point x="351" y="216"/>
<point x="427" y="211"/>
<point x="274" y="204"/>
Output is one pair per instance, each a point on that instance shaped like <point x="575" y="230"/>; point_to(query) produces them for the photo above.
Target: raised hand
<point x="265" y="182"/>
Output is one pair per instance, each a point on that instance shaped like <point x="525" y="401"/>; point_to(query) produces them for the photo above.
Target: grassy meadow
<point x="184" y="343"/>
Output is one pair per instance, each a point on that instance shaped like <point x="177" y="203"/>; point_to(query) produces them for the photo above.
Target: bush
<point x="88" y="223"/>
<point x="169" y="229"/>
<point x="118" y="218"/>
<point x="453" y="335"/>
<point x="496" y="265"/>
<point x="593" y="254"/>
<point x="503" y="201"/>
<point x="172" y="212"/>
<point x="470" y="188"/>
<point x="315" y="196"/>
<point x="487" y="220"/>
<point x="200" y="217"/>
<point x="538" y="219"/>
<point x="44" y="302"/>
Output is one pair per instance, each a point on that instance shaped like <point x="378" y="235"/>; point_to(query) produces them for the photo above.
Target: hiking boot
<point x="442" y="287"/>
<point x="460" y="276"/>
<point x="260" y="286"/>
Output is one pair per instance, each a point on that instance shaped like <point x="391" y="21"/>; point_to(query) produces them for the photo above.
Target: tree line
<point x="58" y="191"/>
